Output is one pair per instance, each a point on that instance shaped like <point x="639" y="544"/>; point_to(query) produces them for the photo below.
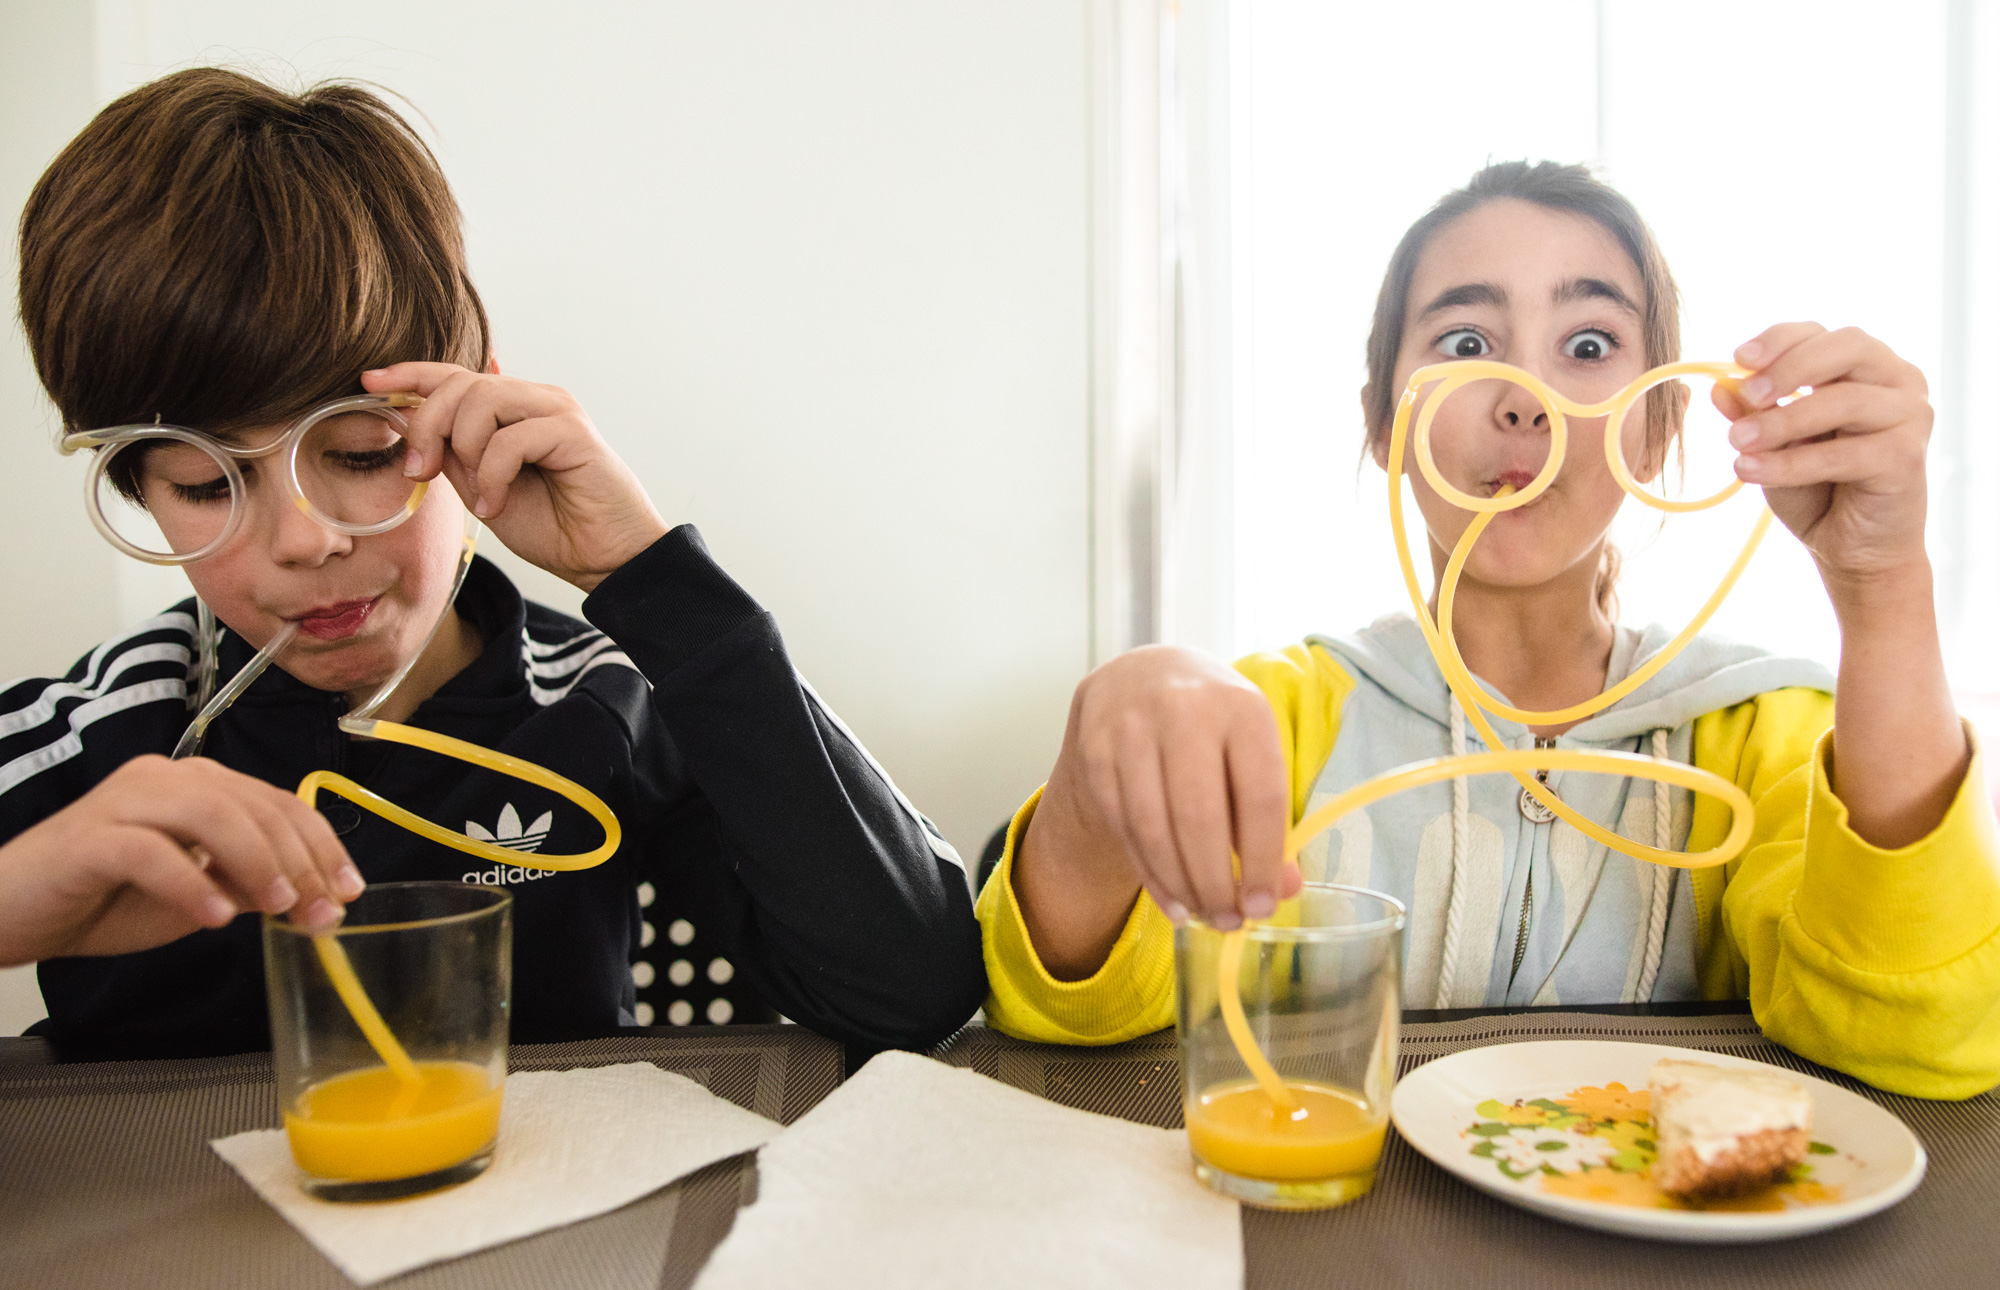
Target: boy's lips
<point x="334" y="622"/>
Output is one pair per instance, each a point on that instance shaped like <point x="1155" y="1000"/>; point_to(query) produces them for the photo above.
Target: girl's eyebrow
<point x="1593" y="289"/>
<point x="1467" y="293"/>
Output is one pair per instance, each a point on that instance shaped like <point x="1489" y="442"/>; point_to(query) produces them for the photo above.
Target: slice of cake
<point x="1722" y="1132"/>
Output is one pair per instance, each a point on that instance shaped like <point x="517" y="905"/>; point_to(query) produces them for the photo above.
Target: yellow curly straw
<point x="1443" y="643"/>
<point x="333" y="956"/>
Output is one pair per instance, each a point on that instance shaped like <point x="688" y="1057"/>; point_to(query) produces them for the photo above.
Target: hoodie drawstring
<point x="1662" y="878"/>
<point x="1461" y="812"/>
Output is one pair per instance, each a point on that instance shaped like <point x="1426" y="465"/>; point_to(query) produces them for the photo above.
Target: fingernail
<point x="1749" y="467"/>
<point x="348" y="882"/>
<point x="1744" y="433"/>
<point x="280" y="895"/>
<point x="413" y="464"/>
<point x="1176" y="912"/>
<point x="1225" y="922"/>
<point x="375" y="371"/>
<point x="320" y="915"/>
<point x="1757" y="389"/>
<point x="215" y="911"/>
<point x="1259" y="904"/>
<point x="481" y="509"/>
<point x="1749" y="351"/>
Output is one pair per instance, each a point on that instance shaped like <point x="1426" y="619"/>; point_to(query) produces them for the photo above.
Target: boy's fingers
<point x="414" y="378"/>
<point x="318" y="906"/>
<point x="522" y="444"/>
<point x="148" y="860"/>
<point x="430" y="426"/>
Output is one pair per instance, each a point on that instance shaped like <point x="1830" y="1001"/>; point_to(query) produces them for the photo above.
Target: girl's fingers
<point x="1149" y="829"/>
<point x="1101" y="774"/>
<point x="1849" y="354"/>
<point x="1846" y="460"/>
<point x="1260" y="805"/>
<point x="1197" y="784"/>
<point x="1844" y="406"/>
<point x="1765" y="348"/>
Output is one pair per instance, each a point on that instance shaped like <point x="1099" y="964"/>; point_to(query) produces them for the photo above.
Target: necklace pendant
<point x="1532" y="809"/>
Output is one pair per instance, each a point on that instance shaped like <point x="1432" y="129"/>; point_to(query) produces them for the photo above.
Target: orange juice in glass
<point x="436" y="960"/>
<point x="1320" y="994"/>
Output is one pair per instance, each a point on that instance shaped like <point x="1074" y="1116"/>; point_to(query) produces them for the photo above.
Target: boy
<point x="215" y="254"/>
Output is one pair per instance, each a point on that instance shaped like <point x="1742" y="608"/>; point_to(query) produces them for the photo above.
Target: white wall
<point x="817" y="271"/>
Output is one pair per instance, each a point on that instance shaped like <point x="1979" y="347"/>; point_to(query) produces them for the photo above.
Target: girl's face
<point x="1554" y="293"/>
<point x="364" y="605"/>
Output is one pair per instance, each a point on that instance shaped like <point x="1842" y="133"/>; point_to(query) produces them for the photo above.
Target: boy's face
<point x="363" y="604"/>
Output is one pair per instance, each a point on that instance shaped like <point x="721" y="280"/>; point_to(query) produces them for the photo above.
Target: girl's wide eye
<point x="1590" y="346"/>
<point x="1463" y="343"/>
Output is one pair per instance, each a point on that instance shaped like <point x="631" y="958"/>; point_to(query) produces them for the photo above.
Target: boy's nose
<point x="297" y="538"/>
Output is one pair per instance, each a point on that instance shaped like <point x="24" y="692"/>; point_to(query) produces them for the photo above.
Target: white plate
<point x="1875" y="1160"/>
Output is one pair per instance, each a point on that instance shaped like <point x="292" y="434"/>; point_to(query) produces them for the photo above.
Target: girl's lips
<point x="335" y="622"/>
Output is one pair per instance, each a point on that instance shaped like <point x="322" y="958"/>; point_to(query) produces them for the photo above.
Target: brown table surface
<point x="106" y="1177"/>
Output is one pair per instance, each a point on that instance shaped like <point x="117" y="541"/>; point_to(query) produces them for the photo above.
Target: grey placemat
<point x="1424" y="1228"/>
<point x="106" y="1177"/>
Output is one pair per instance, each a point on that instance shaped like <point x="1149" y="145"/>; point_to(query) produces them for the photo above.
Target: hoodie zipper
<point x="1528" y="892"/>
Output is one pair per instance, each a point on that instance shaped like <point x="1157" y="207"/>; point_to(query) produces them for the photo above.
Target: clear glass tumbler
<point x="435" y="959"/>
<point x="1321" y="1000"/>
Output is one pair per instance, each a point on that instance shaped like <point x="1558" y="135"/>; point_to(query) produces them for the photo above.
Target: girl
<point x="1860" y="922"/>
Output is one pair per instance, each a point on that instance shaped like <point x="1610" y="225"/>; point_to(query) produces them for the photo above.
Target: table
<point x="106" y="1178"/>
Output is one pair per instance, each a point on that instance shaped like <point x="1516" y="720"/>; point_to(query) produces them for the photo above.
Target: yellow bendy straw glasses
<point x="1426" y="392"/>
<point x="173" y="495"/>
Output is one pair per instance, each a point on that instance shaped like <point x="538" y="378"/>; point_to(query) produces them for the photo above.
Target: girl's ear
<point x="492" y="363"/>
<point x="1676" y="395"/>
<point x="1378" y="445"/>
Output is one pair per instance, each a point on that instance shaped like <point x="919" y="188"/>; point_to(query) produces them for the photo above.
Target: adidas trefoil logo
<point x="509" y="833"/>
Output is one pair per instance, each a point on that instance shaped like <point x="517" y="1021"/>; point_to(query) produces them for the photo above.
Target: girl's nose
<point x="1519" y="410"/>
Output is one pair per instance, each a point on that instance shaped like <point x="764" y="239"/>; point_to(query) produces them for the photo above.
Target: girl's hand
<point x="1843" y="466"/>
<point x="528" y="461"/>
<point x="1170" y="762"/>
<point x="159" y="849"/>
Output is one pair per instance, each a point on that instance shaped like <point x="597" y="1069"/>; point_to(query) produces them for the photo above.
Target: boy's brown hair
<point x="218" y="253"/>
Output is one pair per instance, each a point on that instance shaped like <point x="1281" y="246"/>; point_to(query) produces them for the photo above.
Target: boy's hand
<point x="159" y="849"/>
<point x="1171" y="762"/>
<point x="1843" y="466"/>
<point x="580" y="512"/>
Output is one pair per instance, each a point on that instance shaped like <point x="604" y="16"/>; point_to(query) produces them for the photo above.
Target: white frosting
<point x="1708" y="1108"/>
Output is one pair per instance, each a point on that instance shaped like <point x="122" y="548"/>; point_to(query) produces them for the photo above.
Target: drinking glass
<point x="1321" y="993"/>
<point x="436" y="960"/>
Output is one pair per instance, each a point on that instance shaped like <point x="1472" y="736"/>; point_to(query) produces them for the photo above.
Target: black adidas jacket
<point x="785" y="870"/>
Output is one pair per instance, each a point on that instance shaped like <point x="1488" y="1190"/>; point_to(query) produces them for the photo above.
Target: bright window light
<point x="1790" y="157"/>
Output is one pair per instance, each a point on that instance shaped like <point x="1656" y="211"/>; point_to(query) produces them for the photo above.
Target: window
<point x="1827" y="161"/>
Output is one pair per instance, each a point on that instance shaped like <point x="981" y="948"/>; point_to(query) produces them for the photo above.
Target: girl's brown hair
<point x="1557" y="187"/>
<point x="215" y="252"/>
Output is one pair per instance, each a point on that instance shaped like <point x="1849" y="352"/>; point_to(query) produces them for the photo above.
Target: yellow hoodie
<point x="1884" y="964"/>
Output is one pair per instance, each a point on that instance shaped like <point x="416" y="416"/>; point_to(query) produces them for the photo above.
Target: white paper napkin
<point x="573" y="1144"/>
<point x="916" y="1174"/>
